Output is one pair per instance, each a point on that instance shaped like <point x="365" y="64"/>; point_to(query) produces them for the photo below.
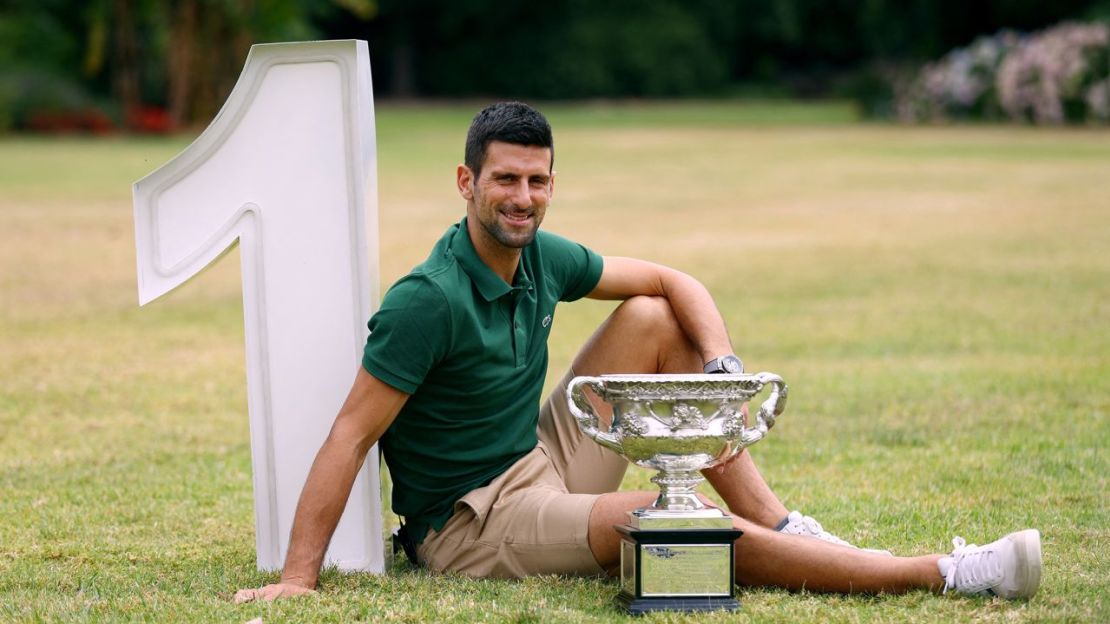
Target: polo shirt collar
<point x="490" y="285"/>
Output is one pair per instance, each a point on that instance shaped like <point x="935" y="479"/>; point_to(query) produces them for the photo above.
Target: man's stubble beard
<point x="514" y="241"/>
<point x="499" y="234"/>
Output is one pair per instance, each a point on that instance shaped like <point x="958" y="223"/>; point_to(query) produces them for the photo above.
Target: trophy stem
<point x="678" y="490"/>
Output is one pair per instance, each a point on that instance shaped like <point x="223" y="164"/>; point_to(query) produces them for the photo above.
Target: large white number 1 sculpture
<point x="287" y="169"/>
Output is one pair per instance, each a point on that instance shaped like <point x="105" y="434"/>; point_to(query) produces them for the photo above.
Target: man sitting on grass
<point x="491" y="483"/>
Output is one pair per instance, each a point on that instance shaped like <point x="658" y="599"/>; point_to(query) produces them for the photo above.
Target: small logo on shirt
<point x="546" y="320"/>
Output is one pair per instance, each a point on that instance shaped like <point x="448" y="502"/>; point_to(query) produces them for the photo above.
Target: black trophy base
<point x="677" y="570"/>
<point x="640" y="606"/>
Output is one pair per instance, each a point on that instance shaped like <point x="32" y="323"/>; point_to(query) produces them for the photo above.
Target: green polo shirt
<point x="472" y="351"/>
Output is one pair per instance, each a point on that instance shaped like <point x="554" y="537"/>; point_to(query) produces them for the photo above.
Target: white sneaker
<point x="797" y="524"/>
<point x="1008" y="568"/>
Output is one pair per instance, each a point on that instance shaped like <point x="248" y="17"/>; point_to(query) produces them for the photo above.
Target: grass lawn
<point x="937" y="298"/>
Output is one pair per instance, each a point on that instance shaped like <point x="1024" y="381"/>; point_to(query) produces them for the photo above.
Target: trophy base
<point x="661" y="519"/>
<point x="677" y="569"/>
<point x="640" y="606"/>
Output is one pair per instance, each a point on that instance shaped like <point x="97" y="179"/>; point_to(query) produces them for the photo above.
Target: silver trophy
<point x="677" y="554"/>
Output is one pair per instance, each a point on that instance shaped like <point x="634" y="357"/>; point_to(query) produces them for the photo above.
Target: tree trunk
<point x="181" y="61"/>
<point x="125" y="78"/>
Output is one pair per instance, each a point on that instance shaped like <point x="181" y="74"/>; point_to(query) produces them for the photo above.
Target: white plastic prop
<point x="287" y="169"/>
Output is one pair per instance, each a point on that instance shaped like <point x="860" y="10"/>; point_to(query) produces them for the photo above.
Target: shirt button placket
<point x="519" y="348"/>
<point x="518" y="343"/>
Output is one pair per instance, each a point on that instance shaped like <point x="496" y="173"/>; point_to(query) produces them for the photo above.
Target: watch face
<point x="732" y="364"/>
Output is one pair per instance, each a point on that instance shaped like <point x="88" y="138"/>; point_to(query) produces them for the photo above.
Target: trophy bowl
<point x="677" y="424"/>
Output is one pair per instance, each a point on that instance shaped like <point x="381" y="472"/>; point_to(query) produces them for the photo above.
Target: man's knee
<point x="642" y="335"/>
<point x="650" y="324"/>
<point x="649" y="314"/>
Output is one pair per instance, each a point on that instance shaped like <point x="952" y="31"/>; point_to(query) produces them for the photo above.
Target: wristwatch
<point x="729" y="364"/>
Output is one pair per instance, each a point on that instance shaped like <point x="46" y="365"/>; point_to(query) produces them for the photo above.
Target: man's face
<point x="510" y="196"/>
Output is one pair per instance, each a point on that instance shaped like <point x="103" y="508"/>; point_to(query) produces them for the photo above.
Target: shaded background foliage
<point x="1051" y="76"/>
<point x="160" y="64"/>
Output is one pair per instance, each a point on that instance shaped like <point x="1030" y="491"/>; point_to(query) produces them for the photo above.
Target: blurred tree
<point x="184" y="56"/>
<point x="39" y="52"/>
<point x="125" y="58"/>
<point x="179" y="61"/>
<point x="207" y="42"/>
<point x="147" y="56"/>
<point x="785" y="40"/>
<point x="575" y="48"/>
<point x="559" y="48"/>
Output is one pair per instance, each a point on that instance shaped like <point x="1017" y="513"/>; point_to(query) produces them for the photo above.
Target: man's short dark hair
<point x="511" y="122"/>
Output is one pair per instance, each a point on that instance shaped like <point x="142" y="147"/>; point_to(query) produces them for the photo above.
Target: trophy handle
<point x="584" y="413"/>
<point x="768" y="411"/>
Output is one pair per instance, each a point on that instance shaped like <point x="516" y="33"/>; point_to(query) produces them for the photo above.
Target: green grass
<point x="937" y="298"/>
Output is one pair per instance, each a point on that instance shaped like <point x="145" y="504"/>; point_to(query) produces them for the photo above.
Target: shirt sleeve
<point x="409" y="334"/>
<point x="577" y="267"/>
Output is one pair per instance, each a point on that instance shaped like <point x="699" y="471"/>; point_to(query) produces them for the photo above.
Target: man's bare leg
<point x="745" y="491"/>
<point x="643" y="336"/>
<point x="767" y="557"/>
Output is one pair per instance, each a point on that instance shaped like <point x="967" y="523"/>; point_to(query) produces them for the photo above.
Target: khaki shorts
<point x="533" y="518"/>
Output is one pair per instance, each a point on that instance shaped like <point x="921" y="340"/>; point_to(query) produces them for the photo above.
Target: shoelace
<point x="816" y="529"/>
<point x="978" y="567"/>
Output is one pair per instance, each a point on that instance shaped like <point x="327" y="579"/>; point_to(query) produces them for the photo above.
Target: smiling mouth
<point x="517" y="217"/>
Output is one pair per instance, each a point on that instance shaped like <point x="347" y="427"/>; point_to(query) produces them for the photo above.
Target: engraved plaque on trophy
<point x="677" y="554"/>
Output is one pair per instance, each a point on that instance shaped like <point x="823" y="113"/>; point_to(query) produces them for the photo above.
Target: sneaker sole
<point x="1027" y="548"/>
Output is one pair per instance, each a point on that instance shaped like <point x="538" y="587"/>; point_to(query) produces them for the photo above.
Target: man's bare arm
<point x="368" y="411"/>
<point x="692" y="304"/>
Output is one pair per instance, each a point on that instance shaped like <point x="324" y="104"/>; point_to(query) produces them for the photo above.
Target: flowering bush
<point x="961" y="84"/>
<point x="1049" y="77"/>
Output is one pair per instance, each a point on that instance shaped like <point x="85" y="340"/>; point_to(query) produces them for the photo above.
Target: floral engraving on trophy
<point x="686" y="416"/>
<point x="632" y="421"/>
<point x="733" y="423"/>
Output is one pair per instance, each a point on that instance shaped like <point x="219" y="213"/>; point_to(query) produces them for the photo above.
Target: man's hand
<point x="271" y="592"/>
<point x="370" y="408"/>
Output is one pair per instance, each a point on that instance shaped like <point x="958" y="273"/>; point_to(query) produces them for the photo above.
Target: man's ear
<point x="551" y="184"/>
<point x="464" y="180"/>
